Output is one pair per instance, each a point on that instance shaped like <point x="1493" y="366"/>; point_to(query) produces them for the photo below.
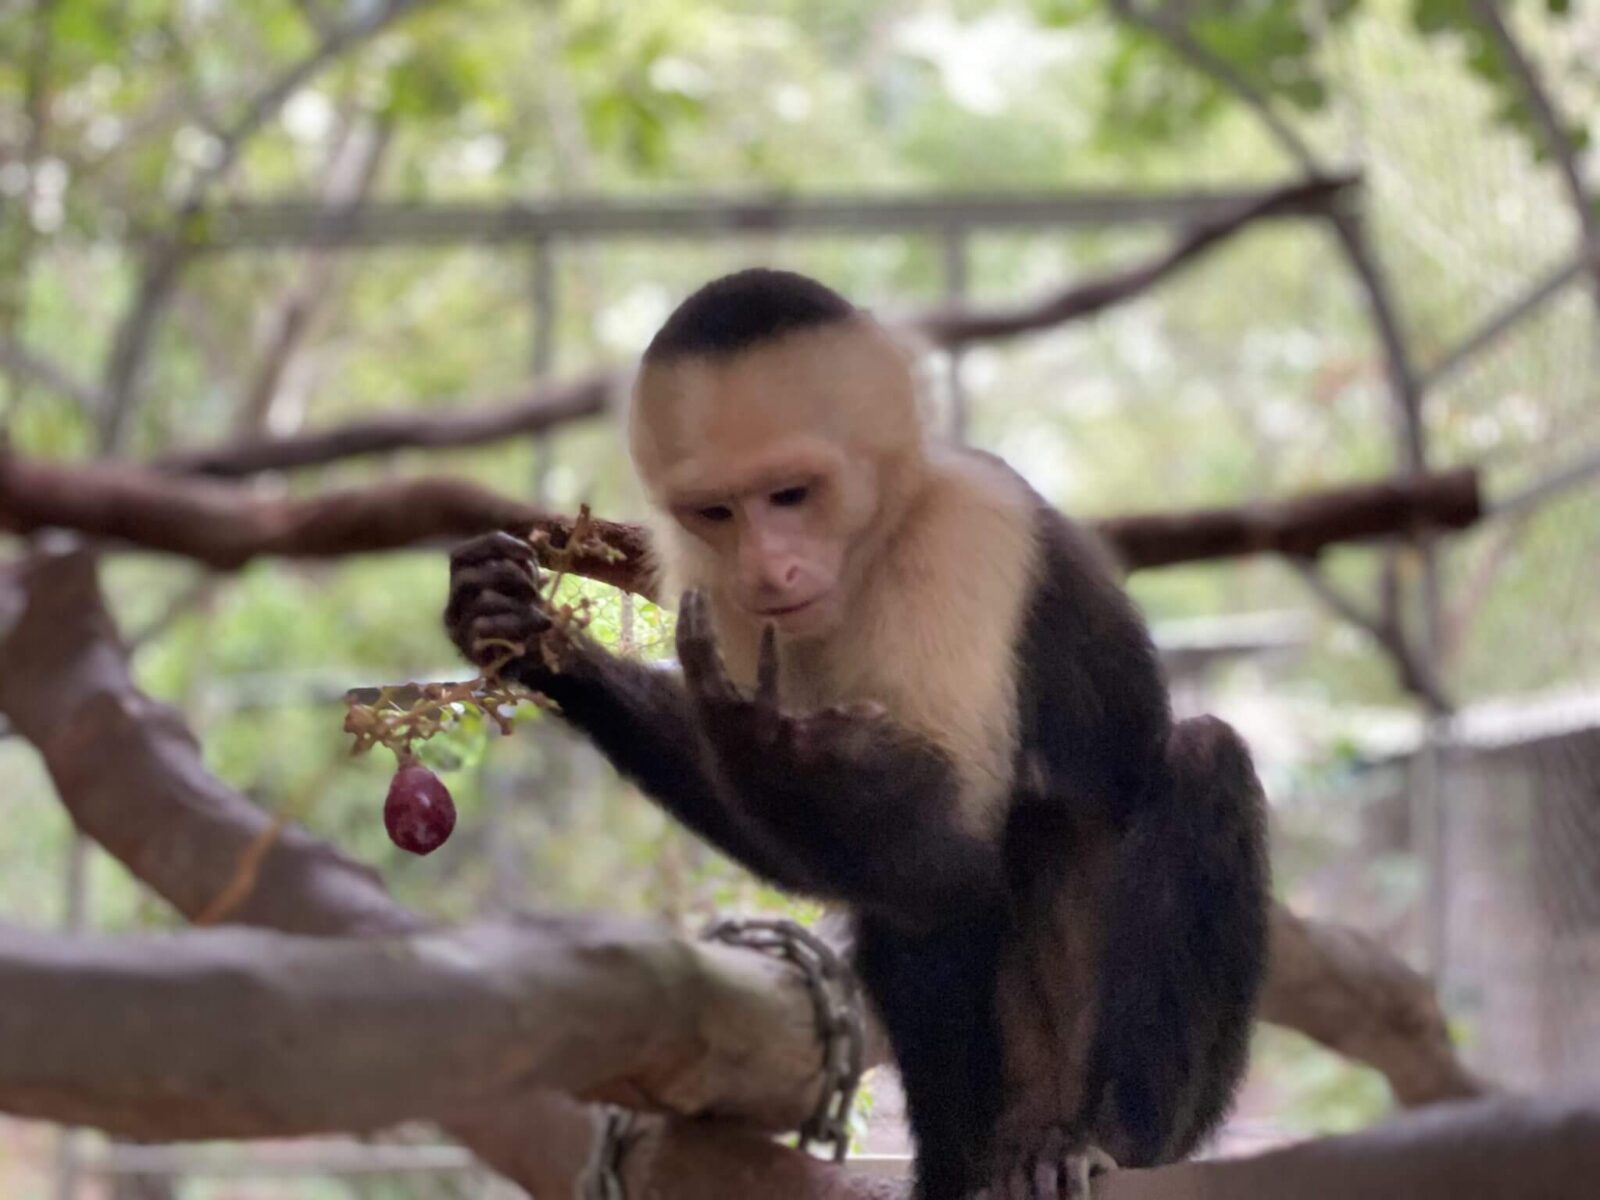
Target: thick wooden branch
<point x="243" y="1034"/>
<point x="1343" y="989"/>
<point x="226" y="526"/>
<point x="1299" y="526"/>
<point x="236" y="1033"/>
<point x="131" y="775"/>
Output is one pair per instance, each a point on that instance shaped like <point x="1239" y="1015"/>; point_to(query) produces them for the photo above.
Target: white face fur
<point x="776" y="467"/>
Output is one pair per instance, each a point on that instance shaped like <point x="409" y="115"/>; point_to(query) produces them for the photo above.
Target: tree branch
<point x="434" y="427"/>
<point x="235" y="1033"/>
<point x="956" y="327"/>
<point x="1347" y="992"/>
<point x="225" y="525"/>
<point x="1416" y="676"/>
<point x="145" y="795"/>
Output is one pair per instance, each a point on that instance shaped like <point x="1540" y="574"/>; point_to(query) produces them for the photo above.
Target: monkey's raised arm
<point x="839" y="803"/>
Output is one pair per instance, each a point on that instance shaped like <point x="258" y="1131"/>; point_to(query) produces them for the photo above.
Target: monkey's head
<point x="775" y="426"/>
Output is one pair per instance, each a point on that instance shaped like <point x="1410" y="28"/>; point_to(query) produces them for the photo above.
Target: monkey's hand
<point x="495" y="609"/>
<point x="1050" y="1165"/>
<point x="753" y="737"/>
<point x="858" y="807"/>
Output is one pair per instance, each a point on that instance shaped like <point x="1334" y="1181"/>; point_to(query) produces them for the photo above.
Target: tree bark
<point x="240" y="1033"/>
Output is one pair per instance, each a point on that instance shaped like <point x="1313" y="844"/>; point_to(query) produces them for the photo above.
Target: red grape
<point x="418" y="813"/>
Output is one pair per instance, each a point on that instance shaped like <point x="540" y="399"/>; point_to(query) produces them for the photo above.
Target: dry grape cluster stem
<point x="418" y="811"/>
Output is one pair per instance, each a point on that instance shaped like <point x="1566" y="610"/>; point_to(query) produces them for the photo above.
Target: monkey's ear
<point x="930" y="381"/>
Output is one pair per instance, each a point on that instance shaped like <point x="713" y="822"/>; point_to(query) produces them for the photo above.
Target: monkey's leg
<point x="934" y="991"/>
<point x="1185" y="954"/>
<point x="864" y="808"/>
<point x="1062" y="867"/>
<point x="639" y="717"/>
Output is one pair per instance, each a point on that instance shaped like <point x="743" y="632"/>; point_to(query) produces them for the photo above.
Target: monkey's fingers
<point x="698" y="655"/>
<point x="484" y="639"/>
<point x="504" y="578"/>
<point x="765" y="700"/>
<point x="491" y="546"/>
<point x="483" y="589"/>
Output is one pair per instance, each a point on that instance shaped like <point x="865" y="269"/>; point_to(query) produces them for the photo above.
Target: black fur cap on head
<point x="745" y="309"/>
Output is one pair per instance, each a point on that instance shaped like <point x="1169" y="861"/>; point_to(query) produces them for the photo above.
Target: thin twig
<point x="1415" y="674"/>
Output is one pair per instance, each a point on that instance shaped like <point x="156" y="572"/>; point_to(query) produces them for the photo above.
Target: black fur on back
<point x="745" y="309"/>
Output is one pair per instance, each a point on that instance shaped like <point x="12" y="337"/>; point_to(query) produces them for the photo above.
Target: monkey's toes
<point x="1055" y="1166"/>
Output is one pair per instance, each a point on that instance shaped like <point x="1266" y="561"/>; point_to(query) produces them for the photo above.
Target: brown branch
<point x="1416" y="675"/>
<point x="225" y="1033"/>
<point x="438" y="426"/>
<point x="1298" y="527"/>
<point x="956" y="327"/>
<point x="225" y="526"/>
<point x="131" y="777"/>
<point x="1351" y="994"/>
<point x="242" y="1034"/>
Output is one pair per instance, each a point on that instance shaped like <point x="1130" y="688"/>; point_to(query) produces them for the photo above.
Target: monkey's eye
<point x="789" y="497"/>
<point x="714" y="512"/>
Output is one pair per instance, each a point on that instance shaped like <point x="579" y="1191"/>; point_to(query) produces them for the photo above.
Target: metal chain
<point x="839" y="1022"/>
<point x="601" y="1177"/>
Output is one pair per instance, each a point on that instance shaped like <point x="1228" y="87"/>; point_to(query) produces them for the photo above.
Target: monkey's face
<point x="782" y="466"/>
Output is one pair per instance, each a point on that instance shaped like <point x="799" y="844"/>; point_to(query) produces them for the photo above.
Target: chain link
<point x="601" y="1177"/>
<point x="839" y="1023"/>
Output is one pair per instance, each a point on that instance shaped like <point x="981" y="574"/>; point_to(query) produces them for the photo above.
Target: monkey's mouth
<point x="791" y="609"/>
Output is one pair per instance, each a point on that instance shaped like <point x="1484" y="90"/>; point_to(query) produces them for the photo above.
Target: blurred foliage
<point x="1250" y="376"/>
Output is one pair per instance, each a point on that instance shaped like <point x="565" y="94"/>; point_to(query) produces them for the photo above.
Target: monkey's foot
<point x="1054" y="1165"/>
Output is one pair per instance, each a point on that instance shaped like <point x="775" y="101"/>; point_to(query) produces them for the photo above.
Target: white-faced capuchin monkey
<point x="910" y="685"/>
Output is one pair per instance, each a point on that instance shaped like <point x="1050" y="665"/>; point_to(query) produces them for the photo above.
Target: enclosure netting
<point x="1465" y="223"/>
